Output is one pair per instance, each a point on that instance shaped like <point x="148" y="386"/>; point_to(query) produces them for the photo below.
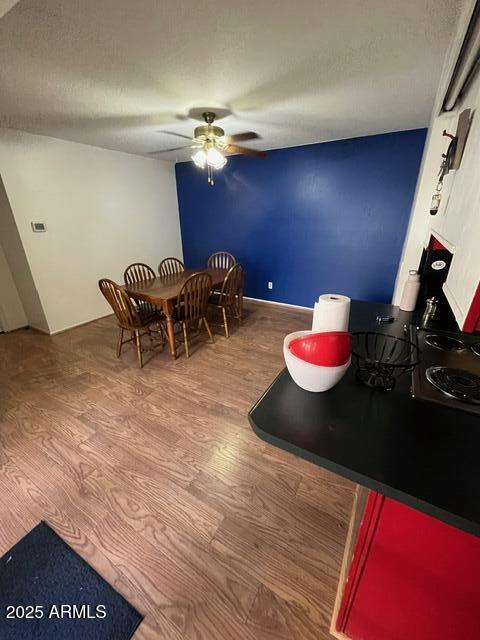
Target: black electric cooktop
<point x="449" y="371"/>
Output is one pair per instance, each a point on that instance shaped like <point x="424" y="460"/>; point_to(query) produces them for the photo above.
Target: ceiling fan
<point x="210" y="141"/>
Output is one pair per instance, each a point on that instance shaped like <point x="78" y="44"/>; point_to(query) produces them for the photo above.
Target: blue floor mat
<point x="48" y="592"/>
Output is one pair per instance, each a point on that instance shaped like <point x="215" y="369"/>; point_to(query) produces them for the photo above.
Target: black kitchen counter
<point x="423" y="454"/>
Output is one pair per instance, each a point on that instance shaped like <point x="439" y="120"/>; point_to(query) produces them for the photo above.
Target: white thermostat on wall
<point x="38" y="227"/>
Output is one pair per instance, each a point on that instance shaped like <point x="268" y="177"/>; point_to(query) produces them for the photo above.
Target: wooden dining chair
<point x="141" y="272"/>
<point x="229" y="298"/>
<point x="221" y="260"/>
<point x="138" y="272"/>
<point x="170" y="266"/>
<point x="192" y="304"/>
<point x="131" y="318"/>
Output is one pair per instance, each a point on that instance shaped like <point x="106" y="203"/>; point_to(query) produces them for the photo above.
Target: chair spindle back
<point x="193" y="297"/>
<point x="138" y="272"/>
<point x="232" y="284"/>
<point x="221" y="260"/>
<point x="170" y="266"/>
<point x="123" y="308"/>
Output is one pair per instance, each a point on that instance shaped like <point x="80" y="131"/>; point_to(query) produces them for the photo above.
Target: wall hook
<point x="448" y="135"/>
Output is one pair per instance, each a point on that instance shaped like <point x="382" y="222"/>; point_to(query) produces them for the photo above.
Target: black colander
<point x="381" y="358"/>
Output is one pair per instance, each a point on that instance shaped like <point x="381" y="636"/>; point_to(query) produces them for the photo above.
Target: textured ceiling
<point x="112" y="73"/>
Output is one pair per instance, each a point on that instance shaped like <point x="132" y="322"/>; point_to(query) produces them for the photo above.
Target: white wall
<point x="418" y="232"/>
<point x="420" y="221"/>
<point x="459" y="220"/>
<point x="12" y="313"/>
<point x="6" y="5"/>
<point x="18" y="265"/>
<point x="103" y="210"/>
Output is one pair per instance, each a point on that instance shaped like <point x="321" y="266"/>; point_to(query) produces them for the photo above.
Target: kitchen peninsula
<point x="419" y="524"/>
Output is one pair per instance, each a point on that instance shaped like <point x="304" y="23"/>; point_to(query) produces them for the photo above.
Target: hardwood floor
<point x="155" y="478"/>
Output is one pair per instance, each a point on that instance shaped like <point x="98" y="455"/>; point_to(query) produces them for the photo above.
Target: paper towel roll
<point x="331" y="313"/>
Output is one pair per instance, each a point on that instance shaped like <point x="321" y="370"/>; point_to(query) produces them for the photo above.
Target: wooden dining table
<point x="163" y="291"/>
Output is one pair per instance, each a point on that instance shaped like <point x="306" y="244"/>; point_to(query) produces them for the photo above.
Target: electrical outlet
<point x="270" y="285"/>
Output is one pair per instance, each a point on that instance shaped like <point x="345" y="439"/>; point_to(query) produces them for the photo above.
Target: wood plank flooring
<point x="155" y="478"/>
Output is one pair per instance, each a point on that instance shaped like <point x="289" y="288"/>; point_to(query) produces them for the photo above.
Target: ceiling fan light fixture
<point x="215" y="159"/>
<point x="200" y="158"/>
<point x="210" y="144"/>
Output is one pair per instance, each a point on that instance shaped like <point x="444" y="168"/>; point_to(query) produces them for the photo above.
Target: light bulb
<point x="200" y="158"/>
<point x="215" y="158"/>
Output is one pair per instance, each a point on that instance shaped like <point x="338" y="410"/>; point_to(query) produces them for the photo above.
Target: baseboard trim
<point x="79" y="324"/>
<point x="5" y="331"/>
<point x="39" y="329"/>
<point x="73" y="326"/>
<point x="280" y="304"/>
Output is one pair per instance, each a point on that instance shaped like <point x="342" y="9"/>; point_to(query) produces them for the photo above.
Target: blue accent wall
<point x="322" y="218"/>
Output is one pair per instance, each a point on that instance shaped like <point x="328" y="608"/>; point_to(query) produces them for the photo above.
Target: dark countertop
<point x="420" y="453"/>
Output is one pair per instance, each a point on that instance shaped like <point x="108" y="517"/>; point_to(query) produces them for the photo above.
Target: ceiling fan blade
<point x="241" y="137"/>
<point x="186" y="146"/>
<point x="173" y="133"/>
<point x="246" y="151"/>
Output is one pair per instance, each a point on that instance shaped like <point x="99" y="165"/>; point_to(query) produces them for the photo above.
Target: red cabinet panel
<point x="472" y="321"/>
<point x="412" y="578"/>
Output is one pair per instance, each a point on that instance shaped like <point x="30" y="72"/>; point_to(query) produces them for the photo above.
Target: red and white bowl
<point x="326" y="348"/>
<point x="309" y="376"/>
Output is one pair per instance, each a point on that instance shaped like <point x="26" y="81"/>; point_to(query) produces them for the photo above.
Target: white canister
<point x="410" y="291"/>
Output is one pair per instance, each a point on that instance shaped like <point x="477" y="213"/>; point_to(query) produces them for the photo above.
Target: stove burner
<point x="455" y="383"/>
<point x="445" y="343"/>
<point x="476" y="348"/>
